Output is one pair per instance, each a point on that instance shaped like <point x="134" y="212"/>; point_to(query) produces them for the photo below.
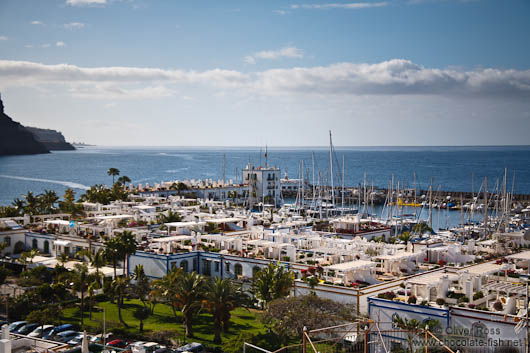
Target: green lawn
<point x="242" y="321"/>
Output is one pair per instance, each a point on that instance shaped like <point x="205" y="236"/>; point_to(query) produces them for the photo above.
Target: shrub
<point x="440" y="301"/>
<point x="412" y="300"/>
<point x="463" y="299"/>
<point x="478" y="295"/>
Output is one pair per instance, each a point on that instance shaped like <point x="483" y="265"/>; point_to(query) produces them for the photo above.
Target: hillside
<point x="52" y="139"/>
<point x="15" y="139"/>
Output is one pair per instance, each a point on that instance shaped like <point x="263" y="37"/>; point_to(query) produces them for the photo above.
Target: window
<point x="173" y="265"/>
<point x="19" y="247"/>
<point x="195" y="265"/>
<point x="184" y="265"/>
<point x="46" y="247"/>
<point x="238" y="269"/>
<point x="206" y="267"/>
<point x="7" y="240"/>
<point x="216" y="266"/>
<point x="34" y="244"/>
<point x="227" y="267"/>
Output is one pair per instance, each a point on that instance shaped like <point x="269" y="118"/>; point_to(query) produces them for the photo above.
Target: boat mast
<point x="313" y="163"/>
<point x="430" y="203"/>
<point x="485" y="205"/>
<point x="343" y="184"/>
<point x="331" y="169"/>
<point x="302" y="182"/>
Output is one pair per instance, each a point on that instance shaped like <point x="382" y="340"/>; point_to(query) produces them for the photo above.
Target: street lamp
<point x="104" y="333"/>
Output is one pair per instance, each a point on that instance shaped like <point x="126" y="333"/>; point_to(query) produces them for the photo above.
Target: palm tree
<point x="124" y="180"/>
<point x="113" y="172"/>
<point x="94" y="283"/>
<point x="413" y="327"/>
<point x="62" y="258"/>
<point x="189" y="294"/>
<point x="68" y="203"/>
<point x="166" y="288"/>
<point x="31" y="203"/>
<point x="95" y="259"/>
<point x="49" y="198"/>
<point x="112" y="252"/>
<point x="19" y="205"/>
<point x="170" y="217"/>
<point x="142" y="287"/>
<point x="272" y="282"/>
<point x="141" y="314"/>
<point x="221" y="298"/>
<point x="128" y="245"/>
<point x="27" y="256"/>
<point x="80" y="284"/>
<point x="119" y="285"/>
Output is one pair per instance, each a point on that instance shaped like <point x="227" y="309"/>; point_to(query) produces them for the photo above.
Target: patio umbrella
<point x="84" y="345"/>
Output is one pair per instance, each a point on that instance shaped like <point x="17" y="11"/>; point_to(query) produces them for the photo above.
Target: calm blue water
<point x="451" y="167"/>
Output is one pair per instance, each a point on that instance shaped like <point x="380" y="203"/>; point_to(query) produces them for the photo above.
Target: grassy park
<point x="163" y="319"/>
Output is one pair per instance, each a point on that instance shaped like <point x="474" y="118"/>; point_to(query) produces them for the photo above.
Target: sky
<point x="266" y="72"/>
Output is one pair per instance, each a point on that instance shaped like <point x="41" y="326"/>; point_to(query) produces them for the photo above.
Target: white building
<point x="264" y="184"/>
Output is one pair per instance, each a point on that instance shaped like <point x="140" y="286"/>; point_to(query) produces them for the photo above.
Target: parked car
<point x="28" y="328"/>
<point x="145" y="347"/>
<point x="192" y="347"/>
<point x="99" y="338"/>
<point x="15" y="326"/>
<point x="41" y="331"/>
<point x="77" y="340"/>
<point x="65" y="336"/>
<point x="118" y="343"/>
<point x="58" y="329"/>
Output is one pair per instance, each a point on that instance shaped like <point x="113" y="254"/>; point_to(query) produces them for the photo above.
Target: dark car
<point x="65" y="336"/>
<point x="118" y="343"/>
<point x="28" y="328"/>
<point x="58" y="329"/>
<point x="15" y="326"/>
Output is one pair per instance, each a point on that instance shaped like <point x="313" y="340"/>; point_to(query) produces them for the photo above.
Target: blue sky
<point x="153" y="72"/>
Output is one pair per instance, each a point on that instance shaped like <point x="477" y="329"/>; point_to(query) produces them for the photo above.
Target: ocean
<point x="452" y="168"/>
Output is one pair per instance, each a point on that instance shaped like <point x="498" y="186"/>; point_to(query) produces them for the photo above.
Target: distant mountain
<point x="52" y="139"/>
<point x="15" y="139"/>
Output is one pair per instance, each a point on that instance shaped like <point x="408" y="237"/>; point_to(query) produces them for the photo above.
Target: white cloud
<point x="280" y="12"/>
<point x="45" y="45"/>
<point x="3" y="38"/>
<point x="74" y="25"/>
<point x="349" y="6"/>
<point x="113" y="91"/>
<point x="249" y="59"/>
<point x="37" y="23"/>
<point x="393" y="78"/>
<point x="85" y="2"/>
<point x="287" y="52"/>
<point x="60" y="44"/>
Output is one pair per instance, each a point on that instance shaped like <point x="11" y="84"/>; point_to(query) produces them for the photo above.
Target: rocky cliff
<point x="53" y="140"/>
<point x="16" y="139"/>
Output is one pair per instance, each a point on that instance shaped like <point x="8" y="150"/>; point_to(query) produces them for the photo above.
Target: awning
<point x="63" y="242"/>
